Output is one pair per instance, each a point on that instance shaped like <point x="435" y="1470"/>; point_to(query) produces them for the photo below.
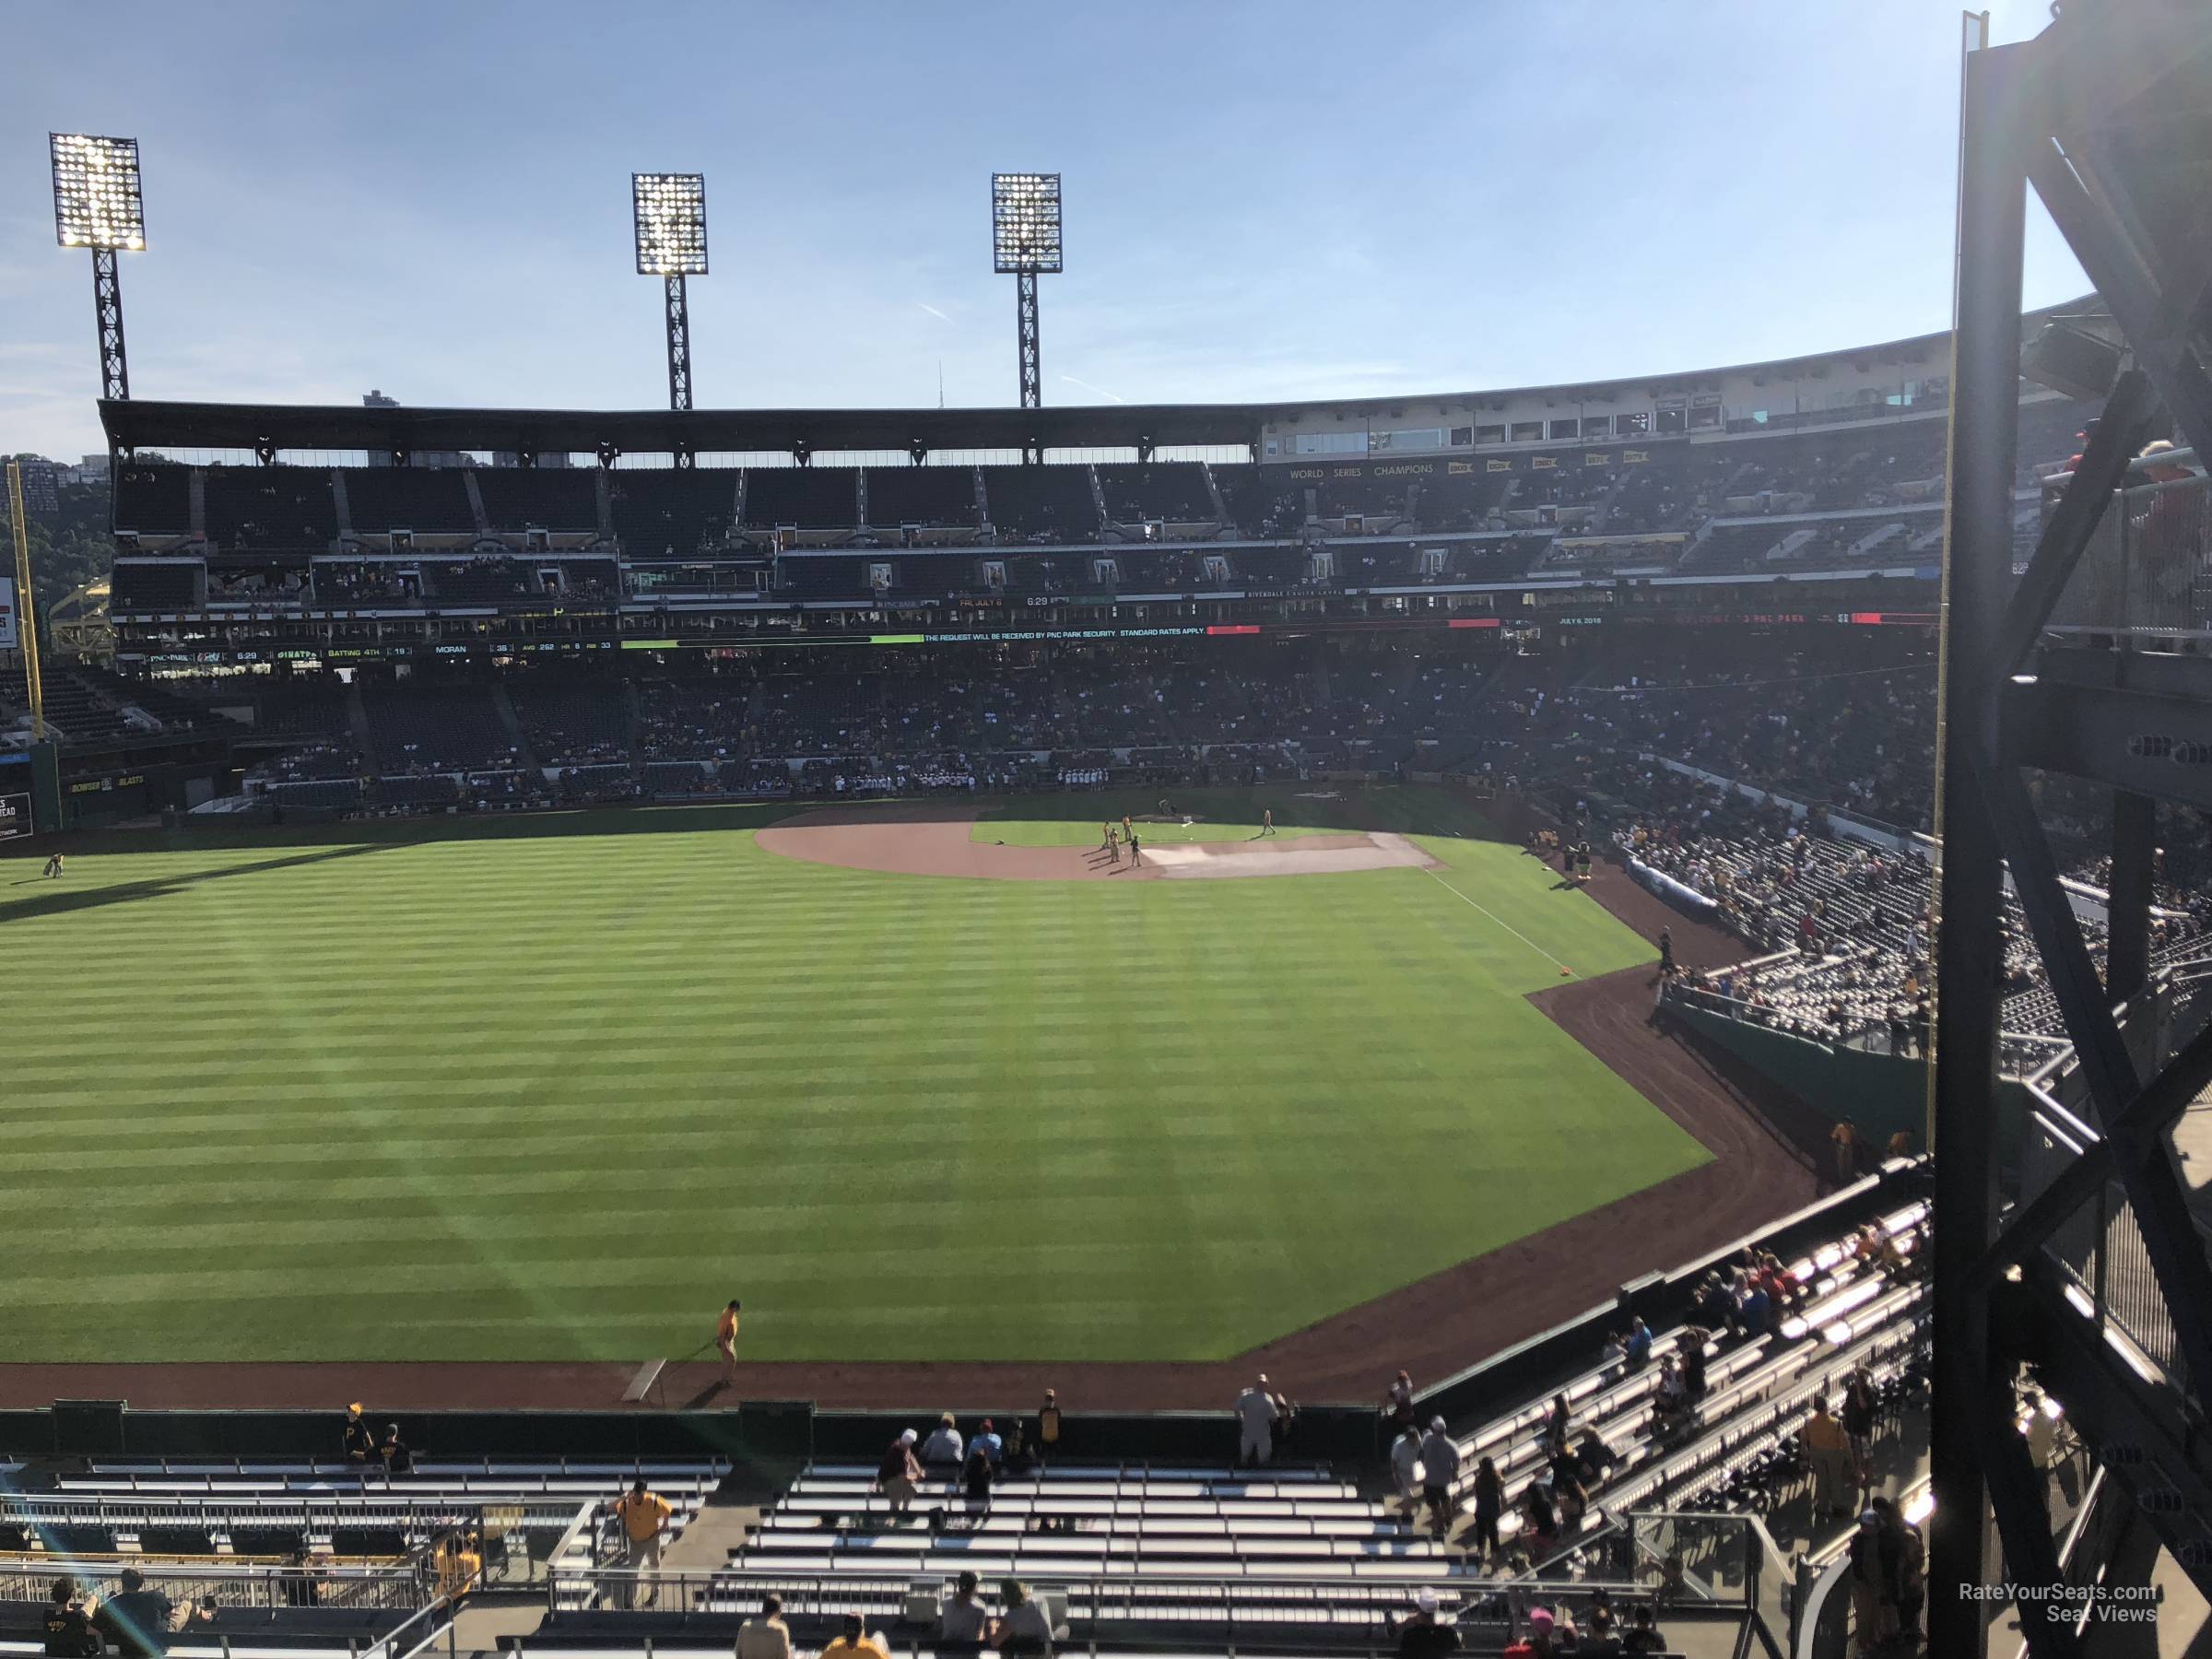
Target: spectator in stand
<point x="1048" y="1427"/>
<point x="1397" y="1401"/>
<point x="1858" y="1422"/>
<point x="1827" y="1455"/>
<point x="1490" y="1507"/>
<point x="1637" y="1349"/>
<point x="359" y="1440"/>
<point x="643" y="1514"/>
<point x="765" y="1635"/>
<point x="976" y="1476"/>
<point x="898" y="1474"/>
<point x="962" y="1621"/>
<point x="1440" y="1468"/>
<point x="1540" y="1520"/>
<point x="1557" y="1424"/>
<point x="396" y="1456"/>
<point x="1425" y="1635"/>
<point x="1643" y="1635"/>
<point x="993" y="1447"/>
<point x="1845" y="1137"/>
<point x="852" y="1643"/>
<point x="1023" y="1628"/>
<point x="1406" y="1466"/>
<point x="1876" y="1558"/>
<point x="142" y="1620"/>
<point x="1758" y="1309"/>
<point x="1256" y="1414"/>
<point x="1715" y="1307"/>
<point x="942" y="1450"/>
<point x="66" y="1622"/>
<point x="1689" y="1350"/>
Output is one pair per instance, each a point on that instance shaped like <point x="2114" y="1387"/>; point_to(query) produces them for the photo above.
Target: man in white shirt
<point x="1256" y="1420"/>
<point x="944" y="1446"/>
<point x="1406" y="1466"/>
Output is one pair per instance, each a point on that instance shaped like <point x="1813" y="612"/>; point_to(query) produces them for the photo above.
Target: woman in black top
<point x="978" y="1471"/>
<point x="1858" y="1419"/>
<point x="1489" y="1505"/>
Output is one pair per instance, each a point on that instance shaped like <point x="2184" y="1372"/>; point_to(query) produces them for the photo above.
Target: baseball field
<point x="554" y="1089"/>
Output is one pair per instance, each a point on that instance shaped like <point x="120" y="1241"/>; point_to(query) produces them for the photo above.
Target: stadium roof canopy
<point x="143" y="423"/>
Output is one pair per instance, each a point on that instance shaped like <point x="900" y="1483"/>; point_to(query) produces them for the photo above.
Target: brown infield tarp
<point x="1434" y="1327"/>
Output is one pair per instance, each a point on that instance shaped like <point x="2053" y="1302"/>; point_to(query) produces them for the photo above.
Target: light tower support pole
<point x="679" y="344"/>
<point x="107" y="312"/>
<point x="27" y="609"/>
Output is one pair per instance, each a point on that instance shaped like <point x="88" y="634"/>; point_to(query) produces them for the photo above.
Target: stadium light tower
<point x="1025" y="240"/>
<point x="97" y="205"/>
<point x="671" y="214"/>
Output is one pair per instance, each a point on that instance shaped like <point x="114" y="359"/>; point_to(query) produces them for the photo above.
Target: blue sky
<point x="1264" y="201"/>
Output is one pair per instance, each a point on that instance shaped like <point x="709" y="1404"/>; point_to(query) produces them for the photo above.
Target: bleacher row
<point x="1835" y="500"/>
<point x="753" y="730"/>
<point x="1175" y="1544"/>
<point x="303" y="1557"/>
<point x="86" y="705"/>
<point x="1305" y="1553"/>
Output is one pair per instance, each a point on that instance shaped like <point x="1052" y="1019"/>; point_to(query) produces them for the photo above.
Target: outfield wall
<point x="770" y="1431"/>
<point x="1881" y="1093"/>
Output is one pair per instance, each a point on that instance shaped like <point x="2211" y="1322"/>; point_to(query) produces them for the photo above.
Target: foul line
<point x="1501" y="920"/>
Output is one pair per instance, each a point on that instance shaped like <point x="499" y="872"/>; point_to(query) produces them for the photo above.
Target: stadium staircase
<point x="510" y="722"/>
<point x="475" y="502"/>
<point x="1213" y="492"/>
<point x="357" y="722"/>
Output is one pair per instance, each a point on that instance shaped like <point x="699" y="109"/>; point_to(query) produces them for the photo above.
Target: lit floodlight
<point x="1025" y="223"/>
<point x="671" y="212"/>
<point x="95" y="200"/>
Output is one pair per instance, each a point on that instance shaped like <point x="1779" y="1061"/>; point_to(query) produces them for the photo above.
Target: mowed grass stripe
<point x="557" y="1088"/>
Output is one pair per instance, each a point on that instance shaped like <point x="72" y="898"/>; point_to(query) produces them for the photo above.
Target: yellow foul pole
<point x="26" y="610"/>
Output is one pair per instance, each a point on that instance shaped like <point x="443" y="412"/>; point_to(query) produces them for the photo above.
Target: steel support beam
<point x="2097" y="239"/>
<point x="107" y="316"/>
<point x="2123" y="431"/>
<point x="1025" y="345"/>
<point x="679" y="344"/>
<point x="2164" y="1466"/>
<point x="2129" y="892"/>
<point x="2139" y="741"/>
<point x="1970" y="1390"/>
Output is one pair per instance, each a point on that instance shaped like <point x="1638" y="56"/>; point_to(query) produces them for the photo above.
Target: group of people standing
<point x="973" y="1466"/>
<point x="1114" y="835"/>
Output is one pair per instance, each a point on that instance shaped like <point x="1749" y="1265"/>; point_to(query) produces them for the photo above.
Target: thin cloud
<point x="932" y="311"/>
<point x="1087" y="386"/>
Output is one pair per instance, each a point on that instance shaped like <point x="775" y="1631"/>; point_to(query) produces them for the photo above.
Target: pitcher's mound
<point x="928" y="839"/>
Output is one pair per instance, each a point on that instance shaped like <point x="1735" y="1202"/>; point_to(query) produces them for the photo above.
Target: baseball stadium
<point x="1307" y="1027"/>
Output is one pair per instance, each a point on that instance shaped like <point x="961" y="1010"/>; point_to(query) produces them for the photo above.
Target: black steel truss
<point x="2032" y="116"/>
<point x="1025" y="343"/>
<point x="107" y="316"/>
<point x="679" y="344"/>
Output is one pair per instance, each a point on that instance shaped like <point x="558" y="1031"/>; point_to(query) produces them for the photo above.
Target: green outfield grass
<point x="558" y="1088"/>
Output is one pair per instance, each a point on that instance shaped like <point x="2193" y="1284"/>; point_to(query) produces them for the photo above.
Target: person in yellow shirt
<point x="643" y="1514"/>
<point x="458" y="1566"/>
<point x="1828" y="1450"/>
<point x="725" y="1338"/>
<point x="855" y="1643"/>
